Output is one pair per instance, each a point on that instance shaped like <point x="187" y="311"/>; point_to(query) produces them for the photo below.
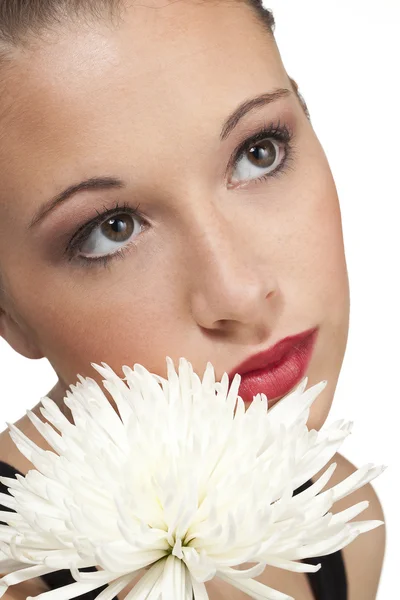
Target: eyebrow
<point x="102" y="183"/>
<point x="249" y="105"/>
<point x="94" y="183"/>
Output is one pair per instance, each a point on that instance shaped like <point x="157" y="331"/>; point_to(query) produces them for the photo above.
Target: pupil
<point x="115" y="225"/>
<point x="264" y="154"/>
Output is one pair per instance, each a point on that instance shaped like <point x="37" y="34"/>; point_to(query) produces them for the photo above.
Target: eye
<point x="106" y="236"/>
<point x="262" y="158"/>
<point x="263" y="155"/>
<point x="114" y="231"/>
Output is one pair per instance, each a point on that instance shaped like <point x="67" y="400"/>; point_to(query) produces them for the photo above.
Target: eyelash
<point x="280" y="133"/>
<point x="83" y="233"/>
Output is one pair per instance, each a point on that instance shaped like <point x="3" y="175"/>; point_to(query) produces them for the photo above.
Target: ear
<point x="295" y="87"/>
<point x="19" y="339"/>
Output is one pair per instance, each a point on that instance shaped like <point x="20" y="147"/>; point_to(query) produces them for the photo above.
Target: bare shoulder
<point x="21" y="591"/>
<point x="364" y="556"/>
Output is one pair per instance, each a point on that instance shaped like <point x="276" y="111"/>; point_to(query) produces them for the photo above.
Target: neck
<point x="57" y="394"/>
<point x="9" y="451"/>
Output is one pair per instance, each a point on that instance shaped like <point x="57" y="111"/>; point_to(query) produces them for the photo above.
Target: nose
<point x="232" y="288"/>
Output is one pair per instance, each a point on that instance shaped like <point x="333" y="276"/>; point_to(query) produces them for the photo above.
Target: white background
<point x="345" y="56"/>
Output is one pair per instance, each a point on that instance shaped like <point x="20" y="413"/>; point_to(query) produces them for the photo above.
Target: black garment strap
<point x="330" y="582"/>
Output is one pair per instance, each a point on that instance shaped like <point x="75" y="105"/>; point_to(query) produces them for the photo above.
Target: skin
<point x="219" y="274"/>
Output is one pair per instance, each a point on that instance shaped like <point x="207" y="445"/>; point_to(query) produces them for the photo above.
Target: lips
<point x="277" y="370"/>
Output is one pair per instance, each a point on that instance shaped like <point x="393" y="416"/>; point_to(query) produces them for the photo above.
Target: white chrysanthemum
<point x="179" y="486"/>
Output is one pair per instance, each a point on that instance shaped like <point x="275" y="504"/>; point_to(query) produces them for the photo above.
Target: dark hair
<point x="20" y="19"/>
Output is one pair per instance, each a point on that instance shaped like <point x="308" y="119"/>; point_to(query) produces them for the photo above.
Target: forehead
<point x="89" y="95"/>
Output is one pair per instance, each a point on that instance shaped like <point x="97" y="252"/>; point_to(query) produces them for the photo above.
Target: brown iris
<point x="115" y="227"/>
<point x="263" y="155"/>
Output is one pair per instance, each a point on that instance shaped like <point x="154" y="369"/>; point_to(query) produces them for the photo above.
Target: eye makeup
<point x="281" y="133"/>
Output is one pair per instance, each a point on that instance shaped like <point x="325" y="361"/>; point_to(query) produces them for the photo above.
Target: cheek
<point x="317" y="230"/>
<point x="330" y="261"/>
<point x="322" y="281"/>
<point x="111" y="316"/>
<point x="119" y="331"/>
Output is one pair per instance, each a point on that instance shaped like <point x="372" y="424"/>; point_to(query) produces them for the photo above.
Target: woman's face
<point x="224" y="260"/>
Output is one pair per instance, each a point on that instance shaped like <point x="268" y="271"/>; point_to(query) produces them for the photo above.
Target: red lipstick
<point x="278" y="369"/>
